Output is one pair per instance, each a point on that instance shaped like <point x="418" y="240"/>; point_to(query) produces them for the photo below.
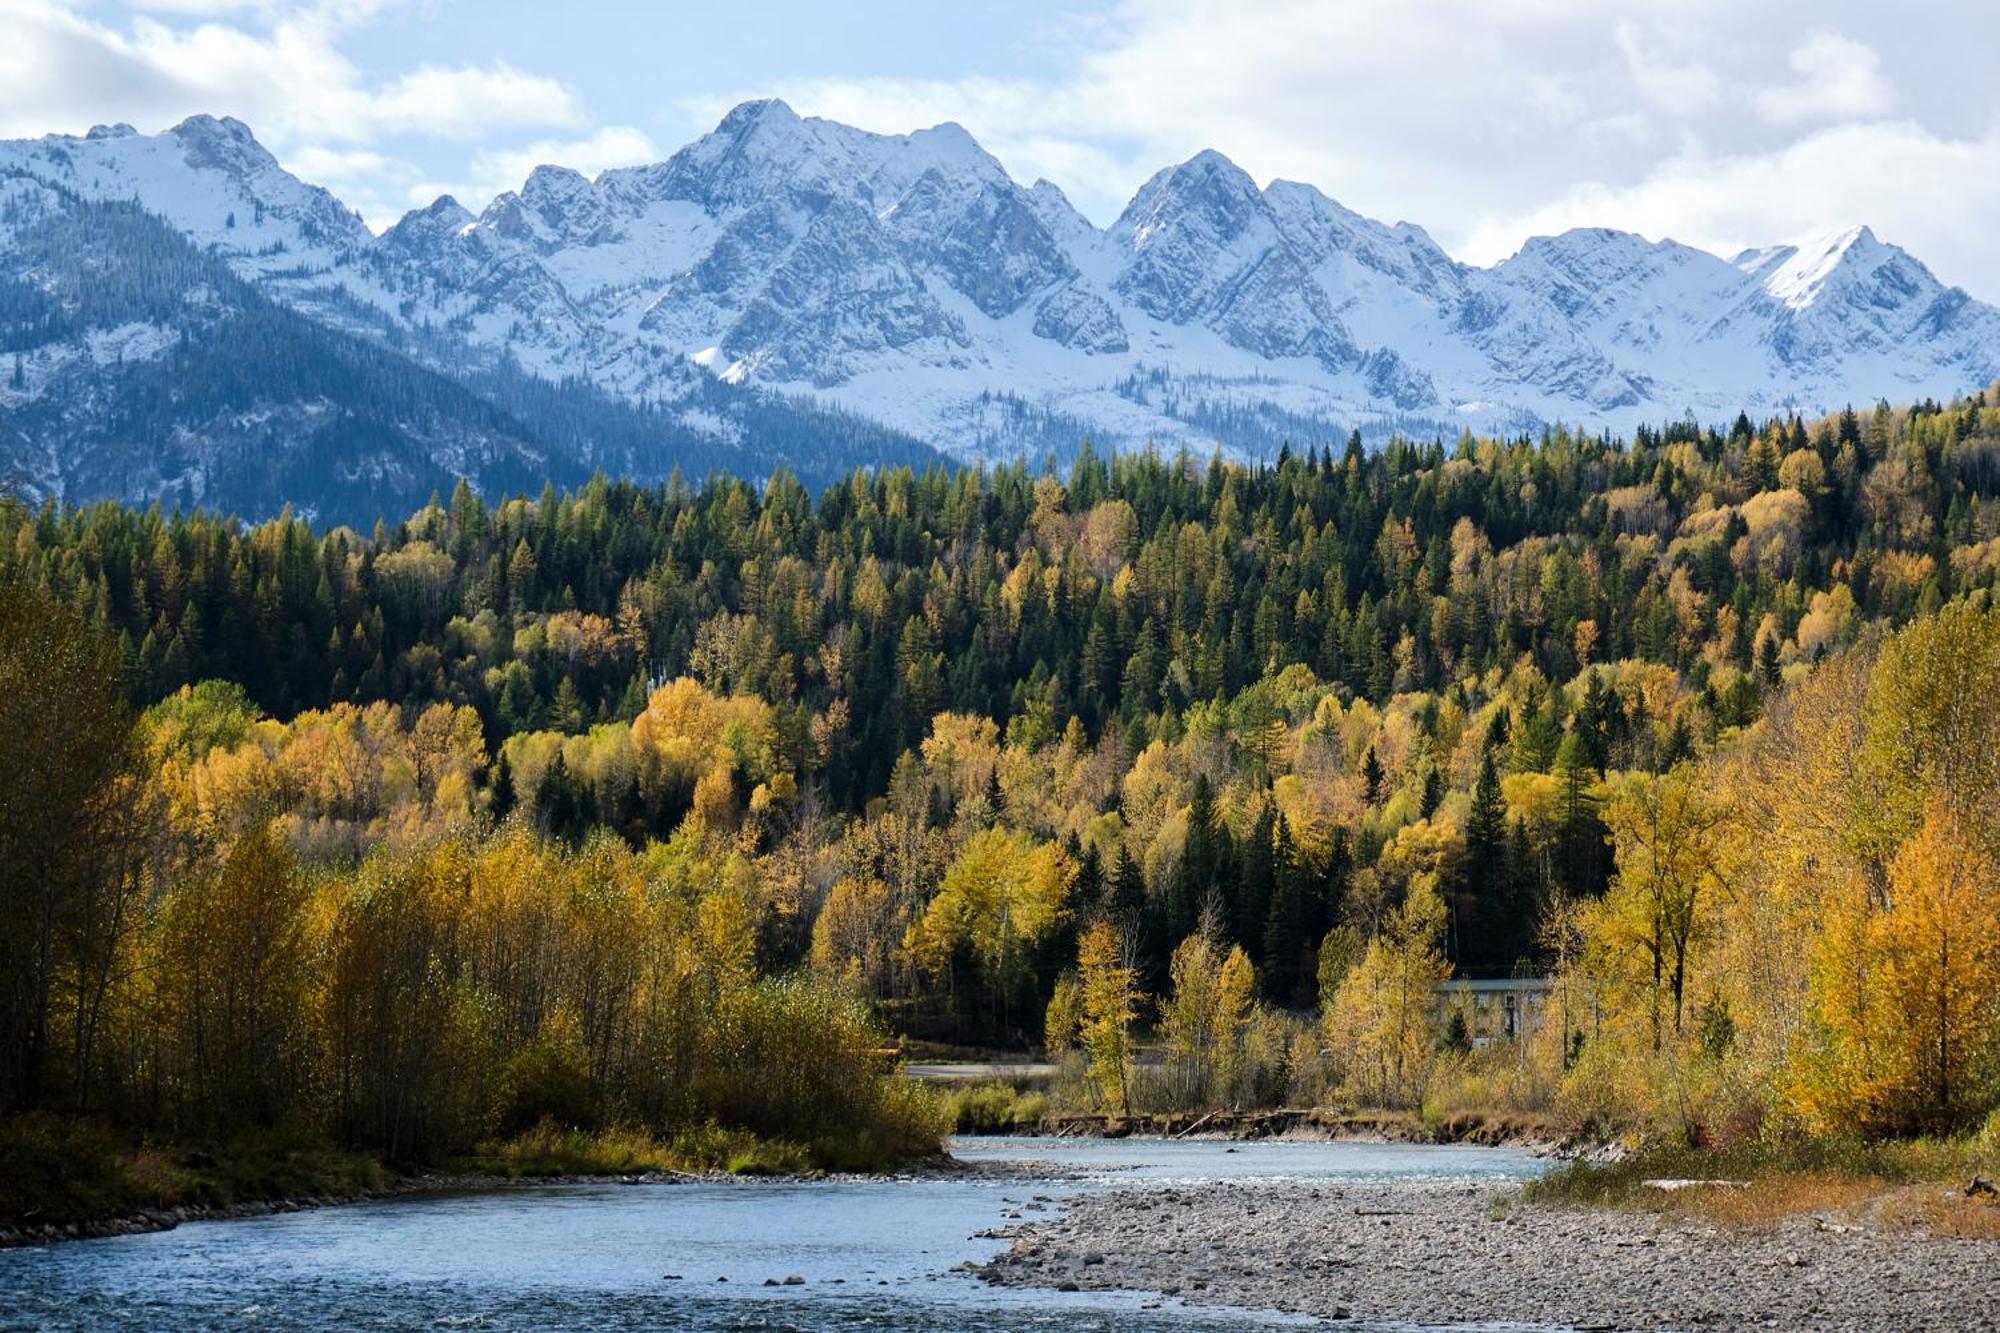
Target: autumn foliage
<point x="665" y="806"/>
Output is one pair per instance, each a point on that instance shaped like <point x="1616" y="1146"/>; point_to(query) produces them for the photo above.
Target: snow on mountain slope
<point x="135" y="365"/>
<point x="910" y="280"/>
<point x="143" y="368"/>
<point x="208" y="179"/>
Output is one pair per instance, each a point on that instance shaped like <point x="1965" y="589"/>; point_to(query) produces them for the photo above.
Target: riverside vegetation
<point x="625" y="827"/>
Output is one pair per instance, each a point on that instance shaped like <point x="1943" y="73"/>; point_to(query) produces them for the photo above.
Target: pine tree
<point x="1287" y="924"/>
<point x="1539" y="736"/>
<point x="633" y="701"/>
<point x="565" y="804"/>
<point x="500" y="792"/>
<point x="1432" y="794"/>
<point x="1480" y="932"/>
<point x="566" y="712"/>
<point x="1199" y="883"/>
<point x="1768" y="668"/>
<point x="1087" y="895"/>
<point x="1255" y="883"/>
<point x="1580" y="831"/>
<point x="1126" y="903"/>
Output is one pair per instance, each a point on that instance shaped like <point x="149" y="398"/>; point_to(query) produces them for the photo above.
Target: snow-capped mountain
<point x="908" y="280"/>
<point x="210" y="180"/>
<point x="139" y="366"/>
<point x="181" y="319"/>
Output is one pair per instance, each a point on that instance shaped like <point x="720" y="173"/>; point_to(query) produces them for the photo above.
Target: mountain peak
<point x="1212" y="170"/>
<point x="948" y="134"/>
<point x="746" y="116"/>
<point x="445" y="211"/>
<point x="1208" y="159"/>
<point x="1578" y="239"/>
<point x="1799" y="275"/>
<point x="223" y="143"/>
<point x="949" y="147"/>
<point x="213" y="127"/>
<point x="548" y="183"/>
<point x="1207" y="185"/>
<point x="753" y="128"/>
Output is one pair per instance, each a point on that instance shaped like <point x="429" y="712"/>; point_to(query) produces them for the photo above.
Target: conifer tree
<point x="1483" y="936"/>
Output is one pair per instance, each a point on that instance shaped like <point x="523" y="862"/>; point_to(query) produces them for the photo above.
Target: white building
<point x="1503" y="1010"/>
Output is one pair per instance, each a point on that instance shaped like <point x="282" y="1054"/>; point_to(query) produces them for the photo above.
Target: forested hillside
<point x="1252" y="755"/>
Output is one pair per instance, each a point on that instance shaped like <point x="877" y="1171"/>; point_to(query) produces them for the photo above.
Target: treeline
<point x="1302" y="739"/>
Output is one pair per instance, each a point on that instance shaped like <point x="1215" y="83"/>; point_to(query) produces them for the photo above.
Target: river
<point x="877" y="1254"/>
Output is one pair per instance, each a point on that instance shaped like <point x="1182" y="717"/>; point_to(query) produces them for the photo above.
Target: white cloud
<point x="465" y="103"/>
<point x="345" y="170"/>
<point x="279" y="66"/>
<point x="1677" y="86"/>
<point x="290" y="80"/>
<point x="1486" y="120"/>
<point x="1489" y="120"/>
<point x="612" y="146"/>
<point x="1838" y="79"/>
<point x="203" y="8"/>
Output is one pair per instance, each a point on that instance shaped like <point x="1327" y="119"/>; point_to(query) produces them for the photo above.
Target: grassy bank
<point x="56" y="1171"/>
<point x="1003" y="1107"/>
<point x="550" y="1150"/>
<point x="997" y="1107"/>
<point x="1919" y="1183"/>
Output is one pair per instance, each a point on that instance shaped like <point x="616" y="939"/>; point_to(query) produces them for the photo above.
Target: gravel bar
<point x="1445" y="1253"/>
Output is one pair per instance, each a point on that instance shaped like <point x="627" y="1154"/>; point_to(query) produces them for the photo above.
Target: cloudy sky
<point x="1723" y="123"/>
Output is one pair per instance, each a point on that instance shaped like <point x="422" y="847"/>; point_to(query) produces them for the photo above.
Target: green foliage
<point x="997" y="1108"/>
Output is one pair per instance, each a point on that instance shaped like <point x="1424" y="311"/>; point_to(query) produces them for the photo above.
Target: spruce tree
<point x="1255" y="882"/>
<point x="1198" y="880"/>
<point x="1580" y="832"/>
<point x="1768" y="668"/>
<point x="1480" y="937"/>
<point x="1286" y="924"/>
<point x="500" y="791"/>
<point x="1371" y="777"/>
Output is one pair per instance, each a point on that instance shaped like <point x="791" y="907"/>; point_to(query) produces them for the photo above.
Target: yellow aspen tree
<point x="1237" y="994"/>
<point x="1190" y="1019"/>
<point x="1110" y="1002"/>
<point x="1384" y="1014"/>
<point x="1062" y="1021"/>
<point x="1940" y="974"/>
<point x="1905" y="995"/>
<point x="1204" y="1017"/>
<point x="1664" y="831"/>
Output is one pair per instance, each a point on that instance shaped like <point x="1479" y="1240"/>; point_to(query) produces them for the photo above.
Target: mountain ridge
<point x="910" y="281"/>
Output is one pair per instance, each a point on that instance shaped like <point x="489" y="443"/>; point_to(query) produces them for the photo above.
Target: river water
<point x="874" y="1254"/>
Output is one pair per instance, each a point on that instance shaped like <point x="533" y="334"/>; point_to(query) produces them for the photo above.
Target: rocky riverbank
<point x="164" y="1218"/>
<point x="1430" y="1252"/>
